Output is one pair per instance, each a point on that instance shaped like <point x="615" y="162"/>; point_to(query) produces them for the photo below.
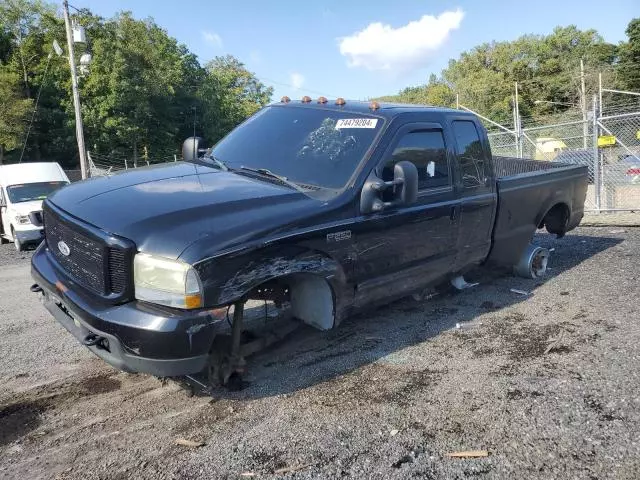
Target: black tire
<point x="16" y="241"/>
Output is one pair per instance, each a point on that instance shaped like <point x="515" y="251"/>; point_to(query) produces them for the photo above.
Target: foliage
<point x="138" y="90"/>
<point x="14" y="110"/>
<point x="630" y="57"/>
<point x="230" y="93"/>
<point x="546" y="67"/>
<point x="138" y="96"/>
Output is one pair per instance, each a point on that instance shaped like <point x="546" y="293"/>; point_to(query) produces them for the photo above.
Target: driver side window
<point x="426" y="150"/>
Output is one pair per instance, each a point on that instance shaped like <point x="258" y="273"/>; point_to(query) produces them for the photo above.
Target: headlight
<point x="23" y="219"/>
<point x="166" y="282"/>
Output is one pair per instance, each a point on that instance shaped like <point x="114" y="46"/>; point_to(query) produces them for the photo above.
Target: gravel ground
<point x="547" y="383"/>
<point x="10" y="256"/>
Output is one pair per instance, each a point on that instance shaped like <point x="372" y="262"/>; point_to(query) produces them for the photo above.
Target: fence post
<point x="518" y="127"/>
<point x="597" y="181"/>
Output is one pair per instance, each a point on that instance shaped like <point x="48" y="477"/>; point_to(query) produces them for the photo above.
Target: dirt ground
<point x="547" y="383"/>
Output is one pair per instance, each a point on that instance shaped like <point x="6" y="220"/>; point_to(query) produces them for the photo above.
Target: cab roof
<point x="31" y="172"/>
<point x="385" y="109"/>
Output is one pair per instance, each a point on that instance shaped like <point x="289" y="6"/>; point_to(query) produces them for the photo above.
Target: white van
<point x="23" y="186"/>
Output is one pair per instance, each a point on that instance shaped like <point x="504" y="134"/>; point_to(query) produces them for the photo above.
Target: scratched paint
<point x="256" y="273"/>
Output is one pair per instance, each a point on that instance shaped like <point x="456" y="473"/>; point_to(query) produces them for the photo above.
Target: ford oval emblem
<point x="64" y="248"/>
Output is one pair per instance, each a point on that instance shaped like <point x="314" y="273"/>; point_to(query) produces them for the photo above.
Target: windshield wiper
<point x="268" y="173"/>
<point x="218" y="163"/>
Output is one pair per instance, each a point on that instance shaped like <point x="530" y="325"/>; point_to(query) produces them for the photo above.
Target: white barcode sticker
<point x="356" y="123"/>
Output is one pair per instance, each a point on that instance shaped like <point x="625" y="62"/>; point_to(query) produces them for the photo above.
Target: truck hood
<point x="166" y="208"/>
<point x="25" y="208"/>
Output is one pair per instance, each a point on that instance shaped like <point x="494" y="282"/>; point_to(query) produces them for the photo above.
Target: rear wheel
<point x="533" y="263"/>
<point x="557" y="220"/>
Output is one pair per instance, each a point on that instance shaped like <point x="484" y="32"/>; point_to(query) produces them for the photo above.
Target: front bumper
<point x="30" y="235"/>
<point x="139" y="337"/>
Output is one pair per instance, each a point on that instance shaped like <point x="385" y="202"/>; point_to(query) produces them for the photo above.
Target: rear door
<point x="477" y="189"/>
<point x="401" y="249"/>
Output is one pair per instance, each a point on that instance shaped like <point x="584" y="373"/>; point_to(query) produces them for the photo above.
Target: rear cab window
<point x="471" y="154"/>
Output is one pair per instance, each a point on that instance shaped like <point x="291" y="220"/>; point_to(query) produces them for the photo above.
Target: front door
<point x="403" y="249"/>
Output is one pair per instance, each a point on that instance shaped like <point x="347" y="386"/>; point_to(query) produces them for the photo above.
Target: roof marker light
<point x="340" y="101"/>
<point x="285" y="99"/>
<point x="322" y="99"/>
<point x="306" y="99"/>
<point x="374" y="105"/>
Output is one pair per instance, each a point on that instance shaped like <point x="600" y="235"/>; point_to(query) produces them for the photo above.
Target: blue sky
<point x="359" y="49"/>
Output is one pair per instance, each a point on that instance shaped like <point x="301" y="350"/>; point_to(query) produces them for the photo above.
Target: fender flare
<point x="270" y="267"/>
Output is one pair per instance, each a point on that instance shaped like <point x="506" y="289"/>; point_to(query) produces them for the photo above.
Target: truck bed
<point x="527" y="191"/>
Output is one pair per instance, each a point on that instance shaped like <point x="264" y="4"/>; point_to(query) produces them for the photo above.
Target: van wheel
<point x="16" y="241"/>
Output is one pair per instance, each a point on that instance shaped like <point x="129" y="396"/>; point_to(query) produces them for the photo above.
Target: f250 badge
<point x="338" y="236"/>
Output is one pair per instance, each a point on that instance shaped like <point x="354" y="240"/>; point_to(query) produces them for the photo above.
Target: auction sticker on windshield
<point x="356" y="123"/>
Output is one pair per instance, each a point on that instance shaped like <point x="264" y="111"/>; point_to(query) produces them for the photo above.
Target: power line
<point x="35" y="107"/>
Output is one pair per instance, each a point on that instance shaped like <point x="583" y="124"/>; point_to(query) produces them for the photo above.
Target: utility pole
<point x="583" y="105"/>
<point x="76" y="94"/>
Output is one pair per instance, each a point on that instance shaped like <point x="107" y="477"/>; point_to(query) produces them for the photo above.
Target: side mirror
<point x="404" y="185"/>
<point x="193" y="148"/>
<point x="405" y="176"/>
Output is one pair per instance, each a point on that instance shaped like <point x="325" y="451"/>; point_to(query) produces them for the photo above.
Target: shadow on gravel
<point x="308" y="357"/>
<point x="18" y="419"/>
<point x="24" y="414"/>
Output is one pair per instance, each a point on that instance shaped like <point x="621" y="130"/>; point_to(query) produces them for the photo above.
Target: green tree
<point x="14" y="112"/>
<point x="27" y="30"/>
<point x="436" y="92"/>
<point x="547" y="67"/>
<point x="629" y="66"/>
<point x="140" y="88"/>
<point x="229" y="94"/>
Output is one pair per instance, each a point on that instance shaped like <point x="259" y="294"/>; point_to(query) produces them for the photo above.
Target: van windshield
<point x="32" y="191"/>
<point x="309" y="146"/>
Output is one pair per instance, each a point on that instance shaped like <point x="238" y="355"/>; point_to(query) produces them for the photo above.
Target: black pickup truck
<point x="324" y="207"/>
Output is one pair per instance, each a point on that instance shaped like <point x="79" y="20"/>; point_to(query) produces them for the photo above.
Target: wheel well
<point x="311" y="297"/>
<point x="556" y="219"/>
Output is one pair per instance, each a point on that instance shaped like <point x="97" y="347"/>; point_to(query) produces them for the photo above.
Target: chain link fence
<point x="103" y="165"/>
<point x="606" y="139"/>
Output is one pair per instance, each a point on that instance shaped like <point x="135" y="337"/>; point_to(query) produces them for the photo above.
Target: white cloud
<point x="212" y="38"/>
<point x="297" y="80"/>
<point x="382" y="47"/>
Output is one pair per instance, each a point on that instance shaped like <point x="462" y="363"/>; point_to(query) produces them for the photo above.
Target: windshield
<point x="308" y="146"/>
<point x="32" y="191"/>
